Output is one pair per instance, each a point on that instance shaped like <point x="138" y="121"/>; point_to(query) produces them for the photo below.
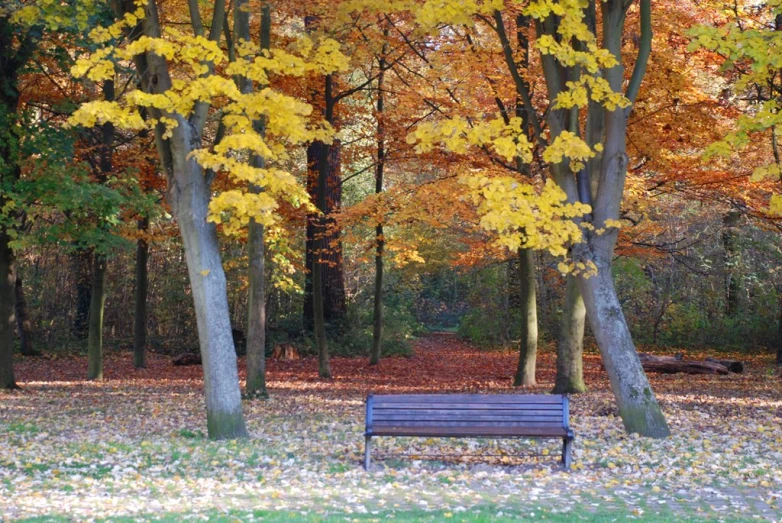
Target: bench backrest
<point x="535" y="412"/>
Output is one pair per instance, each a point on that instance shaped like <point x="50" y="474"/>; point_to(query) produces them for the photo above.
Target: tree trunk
<point x="528" y="349"/>
<point x="189" y="193"/>
<point x="256" y="300"/>
<point x="7" y="283"/>
<point x="142" y="281"/>
<point x="570" y="344"/>
<point x="637" y="405"/>
<point x="12" y="60"/>
<point x="779" y="342"/>
<point x="82" y="267"/>
<point x="332" y="266"/>
<point x="23" y="325"/>
<point x="256" y="314"/>
<point x="732" y="261"/>
<point x="207" y="279"/>
<point x="377" y="327"/>
<point x="95" y="337"/>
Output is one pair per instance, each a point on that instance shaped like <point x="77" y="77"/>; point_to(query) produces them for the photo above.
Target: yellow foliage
<point x="522" y="217"/>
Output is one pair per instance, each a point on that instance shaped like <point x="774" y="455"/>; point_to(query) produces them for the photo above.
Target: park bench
<point x="467" y="416"/>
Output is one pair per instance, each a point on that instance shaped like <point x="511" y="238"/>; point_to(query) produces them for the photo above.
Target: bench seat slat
<point x="465" y="416"/>
<point x="466" y="398"/>
<point x="466" y="423"/>
<point x="519" y="413"/>
<point x="457" y="431"/>
<point x="467" y="406"/>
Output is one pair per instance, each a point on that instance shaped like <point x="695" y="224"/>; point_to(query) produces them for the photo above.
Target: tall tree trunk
<point x="731" y="258"/>
<point x="189" y="193"/>
<point x="97" y="303"/>
<point x="256" y="300"/>
<point x="7" y="283"/>
<point x="377" y="326"/>
<point x="12" y="60"/>
<point x="332" y="266"/>
<point x="23" y="326"/>
<point x="98" y="298"/>
<point x="142" y="282"/>
<point x="779" y="342"/>
<point x="82" y="267"/>
<point x="570" y="344"/>
<point x="528" y="348"/>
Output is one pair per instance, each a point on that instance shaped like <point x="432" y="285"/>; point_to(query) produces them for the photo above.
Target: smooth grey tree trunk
<point x="637" y="404"/>
<point x="189" y="193"/>
<point x="97" y="306"/>
<point x="570" y="344"/>
<point x="142" y="284"/>
<point x="23" y="325"/>
<point x="528" y="349"/>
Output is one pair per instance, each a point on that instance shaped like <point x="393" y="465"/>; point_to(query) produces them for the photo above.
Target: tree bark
<point x="256" y="300"/>
<point x="7" y="283"/>
<point x="331" y="261"/>
<point x="779" y="327"/>
<point x="12" y="60"/>
<point x="377" y="326"/>
<point x="142" y="283"/>
<point x="23" y="325"/>
<point x="637" y="404"/>
<point x="731" y="259"/>
<point x="528" y="349"/>
<point x="570" y="344"/>
<point x="189" y="193"/>
<point x="82" y="267"/>
<point x="100" y="261"/>
<point x="97" y="303"/>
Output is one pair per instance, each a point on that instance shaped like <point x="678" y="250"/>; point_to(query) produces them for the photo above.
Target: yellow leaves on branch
<point x="569" y="145"/>
<point x="459" y="134"/>
<point x="286" y="121"/>
<point x="522" y="217"/>
<point x="578" y="94"/>
<point x="51" y="14"/>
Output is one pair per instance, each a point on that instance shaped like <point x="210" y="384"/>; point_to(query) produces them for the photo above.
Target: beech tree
<point x="584" y="81"/>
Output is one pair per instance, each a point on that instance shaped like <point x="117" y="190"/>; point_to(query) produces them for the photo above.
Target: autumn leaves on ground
<point x="134" y="446"/>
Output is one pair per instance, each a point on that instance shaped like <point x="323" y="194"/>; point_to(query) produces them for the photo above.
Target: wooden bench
<point x="469" y="415"/>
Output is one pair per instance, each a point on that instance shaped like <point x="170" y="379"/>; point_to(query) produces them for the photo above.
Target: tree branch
<point x="644" y="50"/>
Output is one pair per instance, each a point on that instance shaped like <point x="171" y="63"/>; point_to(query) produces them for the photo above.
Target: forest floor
<point x="133" y="447"/>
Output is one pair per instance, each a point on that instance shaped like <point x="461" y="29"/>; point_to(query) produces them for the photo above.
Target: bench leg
<point x="567" y="447"/>
<point x="367" y="451"/>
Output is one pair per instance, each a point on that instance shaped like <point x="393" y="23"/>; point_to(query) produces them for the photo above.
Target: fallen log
<point x="187" y="358"/>
<point x="672" y="365"/>
<point x="732" y="365"/>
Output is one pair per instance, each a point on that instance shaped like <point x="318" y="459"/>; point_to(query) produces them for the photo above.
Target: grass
<point x="483" y="514"/>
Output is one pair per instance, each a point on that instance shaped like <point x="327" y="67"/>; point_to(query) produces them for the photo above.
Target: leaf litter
<point x="135" y="444"/>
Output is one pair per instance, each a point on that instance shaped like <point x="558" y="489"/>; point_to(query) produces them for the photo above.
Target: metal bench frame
<point x="445" y="415"/>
